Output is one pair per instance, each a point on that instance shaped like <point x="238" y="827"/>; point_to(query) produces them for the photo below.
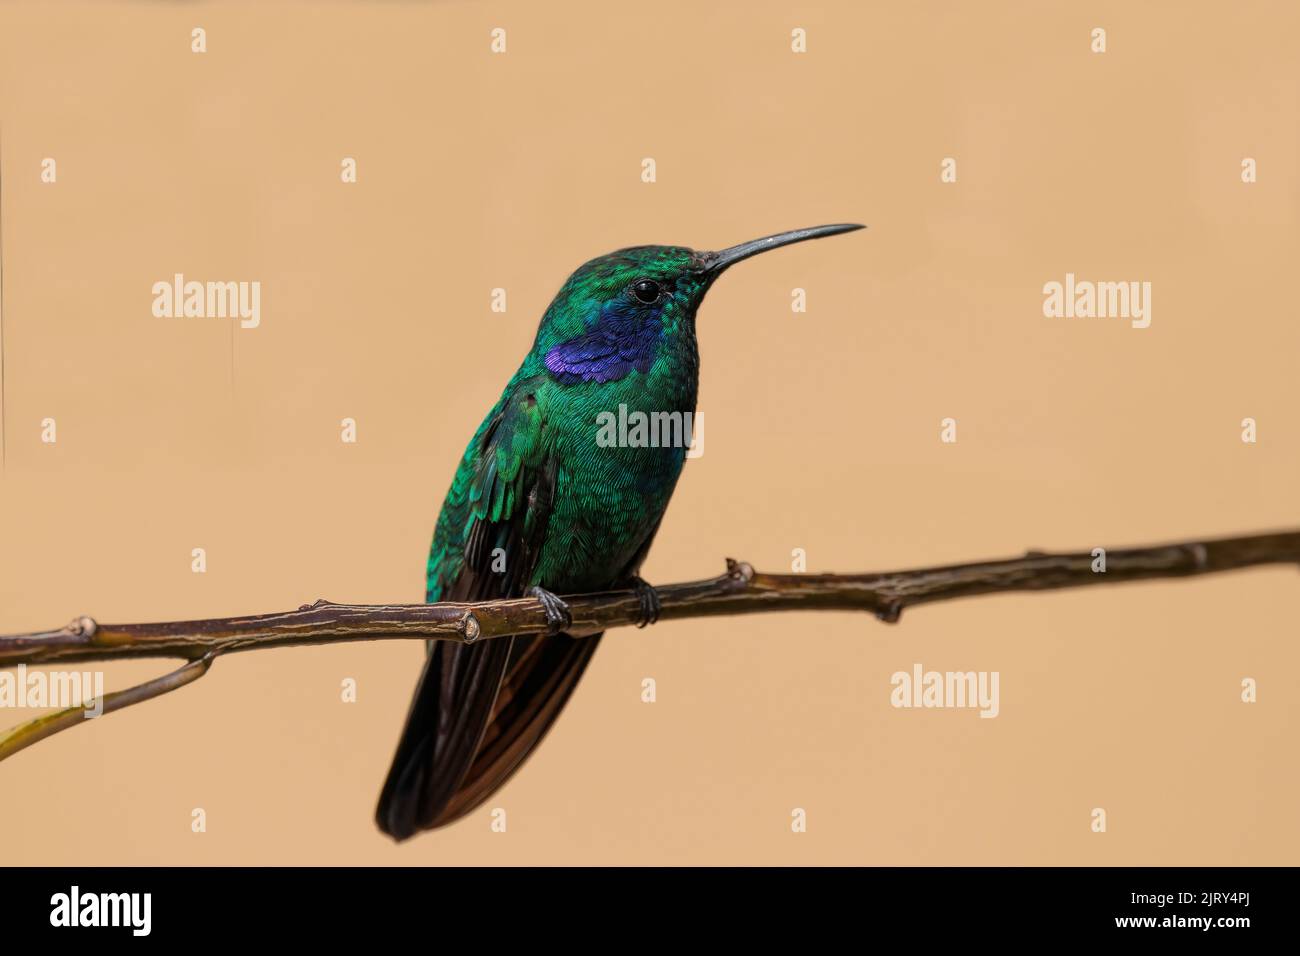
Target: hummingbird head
<point x="618" y="312"/>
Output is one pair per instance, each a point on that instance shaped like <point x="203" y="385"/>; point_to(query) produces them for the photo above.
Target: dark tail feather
<point x="535" y="690"/>
<point x="449" y="714"/>
<point x="455" y="752"/>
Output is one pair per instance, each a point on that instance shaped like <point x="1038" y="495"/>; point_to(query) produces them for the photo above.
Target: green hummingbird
<point x="540" y="507"/>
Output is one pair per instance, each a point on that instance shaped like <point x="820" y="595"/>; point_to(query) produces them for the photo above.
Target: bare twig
<point x="741" y="590"/>
<point x="24" y="735"/>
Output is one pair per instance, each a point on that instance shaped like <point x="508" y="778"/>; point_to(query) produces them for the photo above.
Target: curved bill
<point x="717" y="261"/>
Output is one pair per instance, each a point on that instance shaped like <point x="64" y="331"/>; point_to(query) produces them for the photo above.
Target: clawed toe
<point x="649" y="600"/>
<point x="558" y="616"/>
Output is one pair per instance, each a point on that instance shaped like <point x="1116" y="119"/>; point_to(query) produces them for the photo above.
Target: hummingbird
<point x="539" y="507"/>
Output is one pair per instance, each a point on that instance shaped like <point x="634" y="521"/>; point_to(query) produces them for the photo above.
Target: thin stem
<point x="741" y="590"/>
<point x="24" y="735"/>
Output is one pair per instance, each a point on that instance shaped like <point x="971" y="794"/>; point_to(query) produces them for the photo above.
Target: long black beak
<point x="715" y="262"/>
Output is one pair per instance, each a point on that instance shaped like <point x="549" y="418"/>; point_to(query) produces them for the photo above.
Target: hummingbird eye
<point x="646" y="290"/>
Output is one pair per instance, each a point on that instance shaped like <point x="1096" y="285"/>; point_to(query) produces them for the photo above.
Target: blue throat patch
<point x="609" y="351"/>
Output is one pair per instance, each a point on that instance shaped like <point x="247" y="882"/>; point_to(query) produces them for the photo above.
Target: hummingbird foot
<point x="649" y="598"/>
<point x="558" y="616"/>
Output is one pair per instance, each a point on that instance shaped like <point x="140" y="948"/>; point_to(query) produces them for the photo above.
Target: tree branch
<point x="24" y="735"/>
<point x="741" y="590"/>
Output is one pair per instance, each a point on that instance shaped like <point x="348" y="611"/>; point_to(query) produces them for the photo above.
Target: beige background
<point x="479" y="171"/>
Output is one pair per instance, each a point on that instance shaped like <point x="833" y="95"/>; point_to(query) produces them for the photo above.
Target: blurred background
<point x="479" y="170"/>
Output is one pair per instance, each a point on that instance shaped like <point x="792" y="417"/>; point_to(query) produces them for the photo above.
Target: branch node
<point x="84" y="627"/>
<point x="470" y="628"/>
<point x="740" y="570"/>
<point x="891" y="612"/>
